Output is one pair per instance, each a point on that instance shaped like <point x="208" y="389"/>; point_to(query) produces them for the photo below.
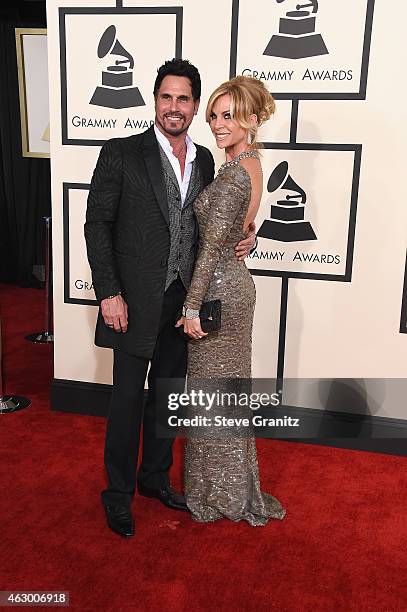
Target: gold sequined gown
<point x="221" y="474"/>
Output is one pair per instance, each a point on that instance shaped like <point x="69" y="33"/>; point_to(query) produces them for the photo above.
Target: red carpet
<point x="342" y="545"/>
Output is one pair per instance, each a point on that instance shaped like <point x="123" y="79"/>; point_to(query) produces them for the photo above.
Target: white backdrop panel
<point x="334" y="329"/>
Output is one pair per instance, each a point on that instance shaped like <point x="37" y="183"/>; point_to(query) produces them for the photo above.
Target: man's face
<point x="174" y="105"/>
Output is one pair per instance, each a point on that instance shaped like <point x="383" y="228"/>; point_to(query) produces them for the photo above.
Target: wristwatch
<point x="110" y="297"/>
<point x="190" y="313"/>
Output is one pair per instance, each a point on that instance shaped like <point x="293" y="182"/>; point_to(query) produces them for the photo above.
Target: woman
<point x="221" y="475"/>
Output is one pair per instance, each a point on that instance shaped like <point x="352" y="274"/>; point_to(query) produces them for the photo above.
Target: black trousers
<point x="126" y="412"/>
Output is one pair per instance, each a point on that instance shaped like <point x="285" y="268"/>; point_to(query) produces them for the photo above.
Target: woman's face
<point x="226" y="130"/>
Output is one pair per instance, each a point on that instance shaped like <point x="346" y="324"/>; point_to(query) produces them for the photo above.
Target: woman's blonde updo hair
<point x="249" y="96"/>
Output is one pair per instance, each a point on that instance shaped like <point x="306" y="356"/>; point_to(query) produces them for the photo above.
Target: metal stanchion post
<point x="47" y="335"/>
<point x="10" y="403"/>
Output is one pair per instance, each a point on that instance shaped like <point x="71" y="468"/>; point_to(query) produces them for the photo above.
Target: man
<point x="141" y="238"/>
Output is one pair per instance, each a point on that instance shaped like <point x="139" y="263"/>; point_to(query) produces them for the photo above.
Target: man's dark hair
<point x="180" y="68"/>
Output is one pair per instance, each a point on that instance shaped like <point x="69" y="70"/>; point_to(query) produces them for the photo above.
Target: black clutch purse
<point x="209" y="315"/>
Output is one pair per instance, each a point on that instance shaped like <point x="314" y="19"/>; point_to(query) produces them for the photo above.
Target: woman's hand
<point x="192" y="327"/>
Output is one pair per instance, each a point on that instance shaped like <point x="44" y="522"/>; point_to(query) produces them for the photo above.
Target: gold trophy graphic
<point x="287" y="216"/>
<point x="117" y="89"/>
<point x="297" y="37"/>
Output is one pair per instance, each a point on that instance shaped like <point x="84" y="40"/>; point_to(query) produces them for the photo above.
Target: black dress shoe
<point x="120" y="520"/>
<point x="166" y="495"/>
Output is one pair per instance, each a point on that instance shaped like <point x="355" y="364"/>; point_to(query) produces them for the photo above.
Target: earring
<point x="249" y="138"/>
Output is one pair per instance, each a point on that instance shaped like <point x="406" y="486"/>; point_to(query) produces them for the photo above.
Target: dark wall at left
<point x="25" y="192"/>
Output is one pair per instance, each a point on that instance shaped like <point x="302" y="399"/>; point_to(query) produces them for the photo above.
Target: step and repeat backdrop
<point x="330" y="265"/>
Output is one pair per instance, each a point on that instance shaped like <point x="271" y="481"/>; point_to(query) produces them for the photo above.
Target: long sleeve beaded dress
<point x="221" y="472"/>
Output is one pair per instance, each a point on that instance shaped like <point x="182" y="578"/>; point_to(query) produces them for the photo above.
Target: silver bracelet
<point x="190" y="313"/>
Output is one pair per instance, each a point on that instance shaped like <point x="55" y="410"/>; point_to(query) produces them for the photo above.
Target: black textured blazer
<point x="127" y="235"/>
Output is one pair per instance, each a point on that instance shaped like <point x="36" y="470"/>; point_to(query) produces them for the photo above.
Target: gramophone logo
<point x="287" y="222"/>
<point x="117" y="90"/>
<point x="297" y="38"/>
